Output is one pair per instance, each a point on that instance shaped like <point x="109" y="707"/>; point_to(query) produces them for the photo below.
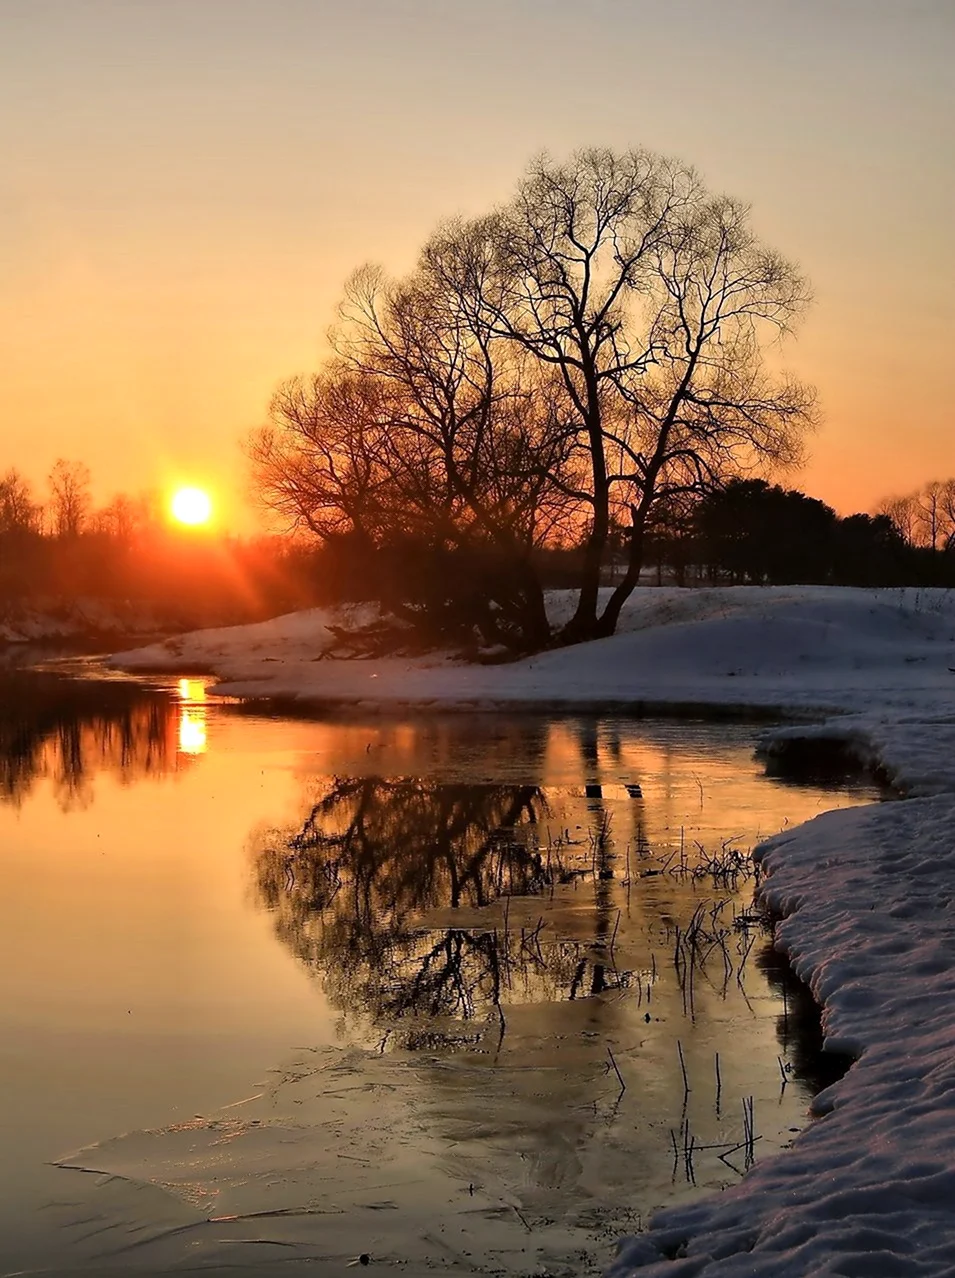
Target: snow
<point x="869" y="923"/>
<point x="867" y="895"/>
<point x="802" y="648"/>
<point x="51" y="620"/>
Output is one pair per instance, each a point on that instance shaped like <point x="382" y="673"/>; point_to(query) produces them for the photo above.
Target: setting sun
<point x="191" y="506"/>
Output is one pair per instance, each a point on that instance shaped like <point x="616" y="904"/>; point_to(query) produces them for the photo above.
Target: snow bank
<point x="806" y="648"/>
<point x="51" y="620"/>
<point x="870" y="1188"/>
<point x="867" y="895"/>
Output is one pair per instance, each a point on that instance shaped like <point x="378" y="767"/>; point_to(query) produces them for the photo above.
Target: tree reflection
<point x="65" y="731"/>
<point x="361" y="890"/>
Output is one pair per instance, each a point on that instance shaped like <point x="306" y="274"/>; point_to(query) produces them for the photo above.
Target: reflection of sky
<point x="177" y="993"/>
<point x="701" y="779"/>
<point x="193" y="738"/>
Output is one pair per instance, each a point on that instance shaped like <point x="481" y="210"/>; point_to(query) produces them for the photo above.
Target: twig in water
<point x="749" y="1130"/>
<point x="719" y="1084"/>
<point x="623" y="1085"/>
<point x="686" y="1085"/>
<point x="522" y="1218"/>
<point x="742" y="965"/>
<point x="725" y="1156"/>
<point x="688" y="1148"/>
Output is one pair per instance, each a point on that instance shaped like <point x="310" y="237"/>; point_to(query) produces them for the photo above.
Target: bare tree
<point x="651" y="299"/>
<point x="947" y="514"/>
<point x="929" y="503"/>
<point x="925" y="517"/>
<point x="19" y="513"/>
<point x="559" y="368"/>
<point x="904" y="514"/>
<point x="429" y="428"/>
<point x="126" y="518"/>
<point x="69" y="497"/>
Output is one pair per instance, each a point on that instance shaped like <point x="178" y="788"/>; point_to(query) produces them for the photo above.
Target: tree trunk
<point x="607" y="623"/>
<point x="523" y="611"/>
<point x="537" y="625"/>
<point x="584" y="624"/>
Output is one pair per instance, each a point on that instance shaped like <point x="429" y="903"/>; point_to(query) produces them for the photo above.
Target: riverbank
<point x="868" y="896"/>
<point x="81" y="624"/>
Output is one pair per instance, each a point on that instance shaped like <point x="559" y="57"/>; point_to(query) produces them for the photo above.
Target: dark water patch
<point x="799" y="1025"/>
<point x="41" y="696"/>
<point x="828" y="761"/>
<point x="327" y="708"/>
<point x="65" y="730"/>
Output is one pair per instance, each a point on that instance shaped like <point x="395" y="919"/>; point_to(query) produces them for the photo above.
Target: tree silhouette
<point x="925" y="517"/>
<point x="554" y="371"/>
<point x="70" y="499"/>
<point x="762" y="533"/>
<point x="431" y="446"/>
<point x="19" y="512"/>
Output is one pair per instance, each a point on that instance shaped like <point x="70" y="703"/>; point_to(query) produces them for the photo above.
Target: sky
<point x="186" y="185"/>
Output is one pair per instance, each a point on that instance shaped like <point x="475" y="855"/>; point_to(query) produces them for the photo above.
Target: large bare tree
<point x="652" y="301"/>
<point x="568" y="365"/>
<point x="426" y="428"/>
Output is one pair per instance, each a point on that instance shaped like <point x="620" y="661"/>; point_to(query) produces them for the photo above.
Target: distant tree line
<point x="746" y="531"/>
<point x="56" y="551"/>
<point x="925" y="518"/>
<point x="750" y="531"/>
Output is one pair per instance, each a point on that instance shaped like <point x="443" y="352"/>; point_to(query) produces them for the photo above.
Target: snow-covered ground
<point x="52" y="620"/>
<point x="800" y="648"/>
<point x="868" y="894"/>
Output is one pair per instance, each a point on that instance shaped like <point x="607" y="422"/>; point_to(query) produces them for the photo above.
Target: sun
<point x="192" y="506"/>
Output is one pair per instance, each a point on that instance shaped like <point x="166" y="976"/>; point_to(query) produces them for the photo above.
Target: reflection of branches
<point x="407" y="846"/>
<point x="440" y="986"/>
<point x="64" y="731"/>
<point x="353" y="889"/>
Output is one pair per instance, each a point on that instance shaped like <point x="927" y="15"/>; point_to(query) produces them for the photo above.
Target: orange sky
<point x="187" y="183"/>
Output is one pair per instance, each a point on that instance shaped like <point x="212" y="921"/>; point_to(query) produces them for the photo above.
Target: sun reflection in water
<point x="192" y="717"/>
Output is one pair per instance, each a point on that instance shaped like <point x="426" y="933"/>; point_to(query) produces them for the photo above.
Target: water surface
<point x="441" y="972"/>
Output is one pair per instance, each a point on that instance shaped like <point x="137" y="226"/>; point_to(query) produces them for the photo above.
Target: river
<point x="459" y="994"/>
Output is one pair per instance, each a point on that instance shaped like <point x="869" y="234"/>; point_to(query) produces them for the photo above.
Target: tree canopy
<point x="555" y="372"/>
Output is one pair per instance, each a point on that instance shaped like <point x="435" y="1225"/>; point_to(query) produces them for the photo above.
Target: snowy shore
<point x="867" y="895"/>
<point x="51" y="620"/>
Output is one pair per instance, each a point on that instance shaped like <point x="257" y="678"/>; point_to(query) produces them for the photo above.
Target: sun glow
<point x="192" y="506"/>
